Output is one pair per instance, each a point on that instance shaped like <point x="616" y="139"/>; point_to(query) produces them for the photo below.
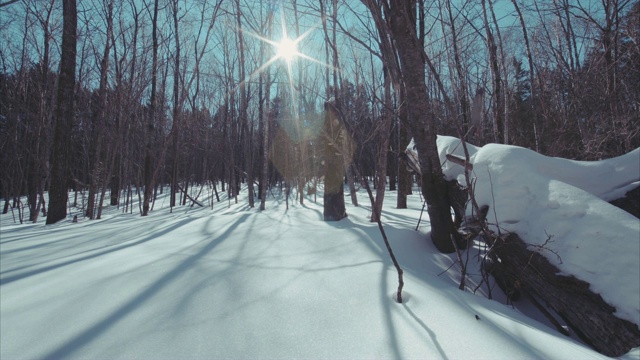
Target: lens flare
<point x="287" y="49"/>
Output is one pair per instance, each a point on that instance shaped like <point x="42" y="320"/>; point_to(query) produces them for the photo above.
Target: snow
<point x="233" y="282"/>
<point x="542" y="198"/>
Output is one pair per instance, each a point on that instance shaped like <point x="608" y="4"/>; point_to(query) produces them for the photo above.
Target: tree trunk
<point x="115" y="181"/>
<point x="265" y="141"/>
<point x="347" y="156"/>
<point x="148" y="161"/>
<point x="404" y="177"/>
<point x="399" y="40"/>
<point x="98" y="165"/>
<point x="463" y="96"/>
<point x="498" y="121"/>
<point x="63" y="115"/>
<point x="244" y="122"/>
<point x="33" y="185"/>
<point x="334" y="133"/>
<point x="421" y="123"/>
<point x="532" y="82"/>
<point x="301" y="135"/>
<point x="177" y="109"/>
<point x="383" y="150"/>
<point x="503" y="105"/>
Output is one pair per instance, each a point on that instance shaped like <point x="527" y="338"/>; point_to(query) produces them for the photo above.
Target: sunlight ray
<point x="286" y="49"/>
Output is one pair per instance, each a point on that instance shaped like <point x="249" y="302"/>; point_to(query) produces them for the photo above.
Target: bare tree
<point x="334" y="134"/>
<point x="98" y="166"/>
<point x="242" y="113"/>
<point x="176" y="126"/>
<point x="63" y="116"/>
<point x="382" y="151"/>
<point x="148" y="157"/>
<point x="496" y="79"/>
<point x="397" y="18"/>
<point x="532" y="82"/>
<point x="2" y="4"/>
<point x="264" y="114"/>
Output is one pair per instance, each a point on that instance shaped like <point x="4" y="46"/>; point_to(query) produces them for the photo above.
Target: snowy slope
<point x="236" y="283"/>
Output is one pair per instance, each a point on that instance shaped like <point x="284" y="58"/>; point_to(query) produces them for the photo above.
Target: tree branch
<point x="8" y="3"/>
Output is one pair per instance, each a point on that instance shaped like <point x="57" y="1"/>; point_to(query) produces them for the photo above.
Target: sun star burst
<point x="287" y="49"/>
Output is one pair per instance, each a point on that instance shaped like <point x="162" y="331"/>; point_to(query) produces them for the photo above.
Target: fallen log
<point x="584" y="311"/>
<point x="519" y="270"/>
<point x="194" y="201"/>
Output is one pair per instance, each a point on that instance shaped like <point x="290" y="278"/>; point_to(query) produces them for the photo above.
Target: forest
<point x="195" y="92"/>
<point x="114" y="106"/>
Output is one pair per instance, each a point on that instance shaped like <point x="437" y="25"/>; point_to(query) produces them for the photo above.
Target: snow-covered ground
<point x="235" y="282"/>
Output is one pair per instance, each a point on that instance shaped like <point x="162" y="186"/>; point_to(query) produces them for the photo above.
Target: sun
<point x="287" y="49"/>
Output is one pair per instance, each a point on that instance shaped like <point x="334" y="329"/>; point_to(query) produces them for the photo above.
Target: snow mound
<point x="565" y="203"/>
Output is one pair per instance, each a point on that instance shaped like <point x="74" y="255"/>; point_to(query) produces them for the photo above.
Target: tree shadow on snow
<point x="410" y="248"/>
<point x="92" y="333"/>
<point x="93" y="253"/>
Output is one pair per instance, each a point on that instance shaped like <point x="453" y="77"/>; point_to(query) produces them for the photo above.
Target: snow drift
<point x="564" y="201"/>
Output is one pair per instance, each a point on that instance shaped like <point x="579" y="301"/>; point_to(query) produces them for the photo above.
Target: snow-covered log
<point x="586" y="313"/>
<point x="556" y="238"/>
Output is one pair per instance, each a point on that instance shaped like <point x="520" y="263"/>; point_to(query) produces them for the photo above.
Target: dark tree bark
<point x="2" y="4"/>
<point x="177" y="109"/>
<point x="303" y="171"/>
<point x="463" y="96"/>
<point x="410" y="52"/>
<point x="396" y="24"/>
<point x="382" y="150"/>
<point x="630" y="202"/>
<point x="334" y="133"/>
<point x="498" y="120"/>
<point x="404" y="176"/>
<point x="532" y="82"/>
<point x="243" y="106"/>
<point x="503" y="101"/>
<point x="63" y="115"/>
<point x="34" y="176"/>
<point x="148" y="160"/>
<point x="98" y="145"/>
<point x="585" y="312"/>
<point x="265" y="116"/>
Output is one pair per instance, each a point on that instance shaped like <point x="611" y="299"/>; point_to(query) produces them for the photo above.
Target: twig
<point x="447" y="269"/>
<point x="421" y="212"/>
<point x="543" y="246"/>
<point x="493" y="199"/>
<point x="365" y="183"/>
<point x="189" y="196"/>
